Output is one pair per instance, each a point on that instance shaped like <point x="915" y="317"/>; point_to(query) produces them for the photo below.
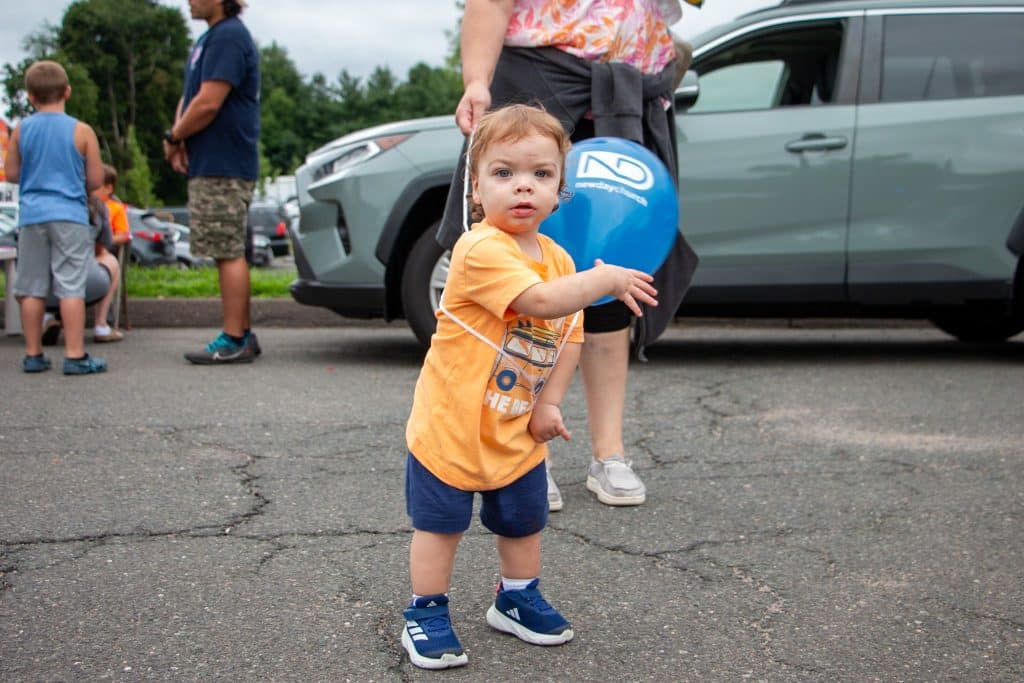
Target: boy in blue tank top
<point x="55" y="159"/>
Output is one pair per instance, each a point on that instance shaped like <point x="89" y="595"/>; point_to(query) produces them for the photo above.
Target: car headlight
<point x="354" y="154"/>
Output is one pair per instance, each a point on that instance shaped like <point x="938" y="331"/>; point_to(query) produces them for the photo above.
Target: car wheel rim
<point x="438" y="276"/>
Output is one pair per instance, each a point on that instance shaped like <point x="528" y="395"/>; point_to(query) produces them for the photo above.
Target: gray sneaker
<point x="554" y="495"/>
<point x="222" y="350"/>
<point x="614" y="482"/>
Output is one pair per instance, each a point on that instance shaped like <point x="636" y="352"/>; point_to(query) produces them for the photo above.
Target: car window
<point x="741" y="87"/>
<point x="264" y="215"/>
<point x="947" y="56"/>
<point x="794" y="66"/>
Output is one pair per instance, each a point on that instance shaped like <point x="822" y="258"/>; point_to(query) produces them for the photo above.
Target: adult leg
<point x="235" y="294"/>
<point x="604" y="365"/>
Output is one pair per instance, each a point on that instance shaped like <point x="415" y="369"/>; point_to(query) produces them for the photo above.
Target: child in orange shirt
<point x="487" y="400"/>
<point x="120" y="234"/>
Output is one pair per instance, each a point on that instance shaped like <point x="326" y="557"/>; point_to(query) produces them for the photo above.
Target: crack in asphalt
<point x="1005" y="621"/>
<point x="658" y="557"/>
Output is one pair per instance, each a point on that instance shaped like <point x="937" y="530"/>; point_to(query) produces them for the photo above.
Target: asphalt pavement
<point x="823" y="505"/>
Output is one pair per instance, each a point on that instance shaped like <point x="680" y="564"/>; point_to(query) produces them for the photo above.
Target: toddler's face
<point x="517" y="182"/>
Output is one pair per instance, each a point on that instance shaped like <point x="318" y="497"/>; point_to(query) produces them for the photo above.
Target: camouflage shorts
<point x="218" y="210"/>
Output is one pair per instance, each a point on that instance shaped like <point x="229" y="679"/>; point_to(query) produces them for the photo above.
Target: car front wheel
<point x="423" y="283"/>
<point x="978" y="328"/>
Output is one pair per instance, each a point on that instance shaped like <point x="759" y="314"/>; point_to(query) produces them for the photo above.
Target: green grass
<point x="168" y="281"/>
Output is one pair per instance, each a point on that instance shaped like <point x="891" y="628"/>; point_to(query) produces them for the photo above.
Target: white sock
<point x="102" y="330"/>
<point x="515" y="584"/>
<point x="47" y="317"/>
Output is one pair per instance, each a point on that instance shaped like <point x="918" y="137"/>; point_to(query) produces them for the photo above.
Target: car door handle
<point x="816" y="142"/>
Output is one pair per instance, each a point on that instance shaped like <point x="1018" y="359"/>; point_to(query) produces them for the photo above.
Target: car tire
<point x="976" y="328"/>
<point x="422" y="284"/>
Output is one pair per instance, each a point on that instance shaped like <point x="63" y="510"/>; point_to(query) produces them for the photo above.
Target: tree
<point x="284" y="110"/>
<point x="44" y="44"/>
<point x="134" y="51"/>
<point x="428" y="91"/>
<point x="454" y="59"/>
<point x="136" y="184"/>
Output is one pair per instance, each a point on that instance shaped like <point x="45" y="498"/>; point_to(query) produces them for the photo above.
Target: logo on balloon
<point x="615" y="167"/>
<point x="623" y="208"/>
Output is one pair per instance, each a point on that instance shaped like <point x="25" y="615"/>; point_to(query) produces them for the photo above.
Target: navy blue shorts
<point x="517" y="510"/>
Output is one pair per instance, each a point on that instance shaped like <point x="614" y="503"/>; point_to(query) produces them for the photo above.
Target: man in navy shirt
<point x="214" y="142"/>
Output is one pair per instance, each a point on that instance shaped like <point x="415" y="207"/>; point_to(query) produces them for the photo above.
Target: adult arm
<point x="176" y="154"/>
<point x="202" y="109"/>
<point x="12" y="162"/>
<point x="484" y="24"/>
<point x="546" y="419"/>
<point x="571" y="293"/>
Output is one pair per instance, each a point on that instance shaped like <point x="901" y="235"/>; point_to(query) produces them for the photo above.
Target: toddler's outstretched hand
<point x="630" y="286"/>
<point x="546" y="423"/>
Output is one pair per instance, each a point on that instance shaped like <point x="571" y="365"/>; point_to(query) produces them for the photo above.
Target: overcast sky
<point x="327" y="36"/>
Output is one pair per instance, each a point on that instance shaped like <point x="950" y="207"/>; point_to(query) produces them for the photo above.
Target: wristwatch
<point x="170" y="139"/>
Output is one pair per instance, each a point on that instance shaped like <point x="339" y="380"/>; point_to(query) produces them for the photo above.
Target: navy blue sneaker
<point x="38" y="363"/>
<point x="222" y="350"/>
<point x="528" y="616"/>
<point x="428" y="636"/>
<point x="87" y="365"/>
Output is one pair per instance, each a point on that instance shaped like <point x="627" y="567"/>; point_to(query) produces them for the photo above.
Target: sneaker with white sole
<point x="615" y="483"/>
<point x="223" y="350"/>
<point x="428" y="636"/>
<point x="554" y="493"/>
<point x="528" y="616"/>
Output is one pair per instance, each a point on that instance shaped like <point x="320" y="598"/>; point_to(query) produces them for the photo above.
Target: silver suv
<point x="836" y="159"/>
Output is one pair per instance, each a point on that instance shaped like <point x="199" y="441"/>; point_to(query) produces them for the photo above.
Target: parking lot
<point x="824" y="504"/>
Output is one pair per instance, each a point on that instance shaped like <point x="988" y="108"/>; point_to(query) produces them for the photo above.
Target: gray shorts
<point x="57" y="253"/>
<point x="97" y="284"/>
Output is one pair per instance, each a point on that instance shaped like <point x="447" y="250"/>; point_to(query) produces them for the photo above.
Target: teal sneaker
<point x="222" y="350"/>
<point x="38" y="363"/>
<point x="87" y="365"/>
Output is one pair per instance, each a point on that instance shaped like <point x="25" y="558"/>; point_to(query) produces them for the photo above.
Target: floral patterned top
<point x="630" y="31"/>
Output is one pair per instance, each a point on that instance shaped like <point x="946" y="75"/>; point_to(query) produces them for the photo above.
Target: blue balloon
<point x="623" y="210"/>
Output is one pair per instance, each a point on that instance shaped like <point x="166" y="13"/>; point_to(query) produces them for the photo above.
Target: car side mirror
<point x="688" y="91"/>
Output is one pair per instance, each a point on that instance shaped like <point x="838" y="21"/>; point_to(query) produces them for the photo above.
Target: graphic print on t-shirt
<point x="527" y="355"/>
